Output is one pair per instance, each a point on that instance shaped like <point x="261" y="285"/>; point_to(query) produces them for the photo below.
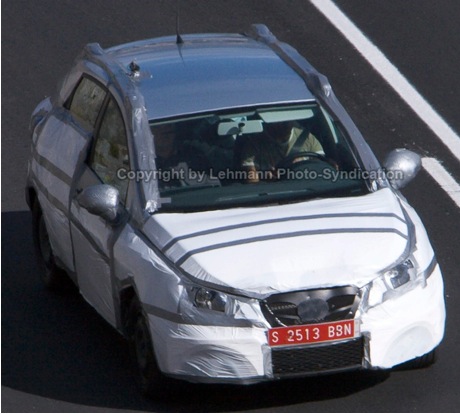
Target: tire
<point x="152" y="383"/>
<point x="421" y="362"/>
<point x="53" y="277"/>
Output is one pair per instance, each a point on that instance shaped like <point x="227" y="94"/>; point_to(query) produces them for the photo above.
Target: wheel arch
<point x="31" y="197"/>
<point x="126" y="296"/>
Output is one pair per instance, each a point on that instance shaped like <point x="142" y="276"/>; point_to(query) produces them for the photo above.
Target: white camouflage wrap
<point x="247" y="254"/>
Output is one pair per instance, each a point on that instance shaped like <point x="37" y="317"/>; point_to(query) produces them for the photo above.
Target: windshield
<point x="253" y="157"/>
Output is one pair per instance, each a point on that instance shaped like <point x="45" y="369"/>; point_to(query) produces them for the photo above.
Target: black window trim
<point x="94" y="135"/>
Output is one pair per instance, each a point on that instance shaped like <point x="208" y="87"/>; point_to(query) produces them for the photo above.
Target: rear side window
<point x="87" y="101"/>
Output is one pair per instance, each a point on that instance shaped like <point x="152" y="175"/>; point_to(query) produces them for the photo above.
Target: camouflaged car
<point x="213" y="201"/>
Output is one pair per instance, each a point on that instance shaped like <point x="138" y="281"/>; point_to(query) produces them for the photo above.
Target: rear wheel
<point x="151" y="381"/>
<point x="54" y="278"/>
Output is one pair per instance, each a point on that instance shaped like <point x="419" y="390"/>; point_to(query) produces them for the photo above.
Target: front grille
<point x="311" y="306"/>
<point x="317" y="359"/>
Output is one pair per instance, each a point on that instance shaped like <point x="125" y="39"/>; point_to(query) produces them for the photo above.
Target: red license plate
<point x="309" y="334"/>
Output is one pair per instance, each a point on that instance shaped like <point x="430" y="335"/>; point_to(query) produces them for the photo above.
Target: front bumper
<point x="396" y="331"/>
<point x="408" y="327"/>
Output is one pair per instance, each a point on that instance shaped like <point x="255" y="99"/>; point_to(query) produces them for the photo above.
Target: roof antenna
<point x="178" y="36"/>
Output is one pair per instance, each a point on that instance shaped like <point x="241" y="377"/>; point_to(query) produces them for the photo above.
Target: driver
<point x="263" y="152"/>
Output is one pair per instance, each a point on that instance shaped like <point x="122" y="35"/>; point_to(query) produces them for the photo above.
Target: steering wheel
<point x="289" y="161"/>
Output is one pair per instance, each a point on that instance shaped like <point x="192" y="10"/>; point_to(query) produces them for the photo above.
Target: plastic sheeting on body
<point x="202" y="344"/>
<point x="245" y="254"/>
<point x="291" y="247"/>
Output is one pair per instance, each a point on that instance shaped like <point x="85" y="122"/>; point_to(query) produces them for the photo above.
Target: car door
<point x="57" y="153"/>
<point x="93" y="236"/>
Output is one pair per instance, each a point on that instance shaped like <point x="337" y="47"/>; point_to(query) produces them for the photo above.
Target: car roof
<point x="208" y="72"/>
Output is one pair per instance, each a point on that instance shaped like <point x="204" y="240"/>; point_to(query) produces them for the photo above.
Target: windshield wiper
<point x="185" y="189"/>
<point x="263" y="194"/>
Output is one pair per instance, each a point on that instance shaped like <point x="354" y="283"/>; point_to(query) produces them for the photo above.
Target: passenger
<point x="177" y="163"/>
<point x="167" y="155"/>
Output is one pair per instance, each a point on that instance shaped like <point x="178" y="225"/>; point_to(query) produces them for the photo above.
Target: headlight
<point x="393" y="283"/>
<point x="209" y="299"/>
<point x="204" y="306"/>
<point x="400" y="275"/>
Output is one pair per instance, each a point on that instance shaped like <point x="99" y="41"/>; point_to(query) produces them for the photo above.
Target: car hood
<point x="324" y="242"/>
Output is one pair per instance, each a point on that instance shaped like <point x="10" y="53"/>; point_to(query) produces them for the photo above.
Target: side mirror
<point x="401" y="167"/>
<point x="100" y="200"/>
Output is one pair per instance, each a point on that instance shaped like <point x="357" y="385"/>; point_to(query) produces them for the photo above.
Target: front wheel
<point x="423" y="361"/>
<point x="54" y="278"/>
<point x="151" y="381"/>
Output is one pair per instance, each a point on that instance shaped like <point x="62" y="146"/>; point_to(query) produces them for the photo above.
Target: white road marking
<point x="404" y="89"/>
<point x="391" y="74"/>
<point x="443" y="178"/>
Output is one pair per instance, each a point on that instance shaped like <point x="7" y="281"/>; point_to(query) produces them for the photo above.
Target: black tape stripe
<point x="52" y="168"/>
<point x="179" y="319"/>
<point x="430" y="269"/>
<point x="87" y="235"/>
<point x="272" y="221"/>
<point x="53" y="200"/>
<point x="187" y="255"/>
<point x="163" y="314"/>
<point x="181" y="272"/>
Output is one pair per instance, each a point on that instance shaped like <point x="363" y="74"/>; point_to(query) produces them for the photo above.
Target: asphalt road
<point x="58" y="355"/>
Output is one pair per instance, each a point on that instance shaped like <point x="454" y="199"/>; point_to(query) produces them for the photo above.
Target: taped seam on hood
<point x="272" y="221"/>
<point x="187" y="255"/>
<point x="182" y="273"/>
<point x="411" y="239"/>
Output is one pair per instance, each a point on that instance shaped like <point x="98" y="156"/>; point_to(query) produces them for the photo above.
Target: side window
<point x="110" y="152"/>
<point x="87" y="101"/>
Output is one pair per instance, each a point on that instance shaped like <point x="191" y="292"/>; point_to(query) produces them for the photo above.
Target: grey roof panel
<point x="209" y="73"/>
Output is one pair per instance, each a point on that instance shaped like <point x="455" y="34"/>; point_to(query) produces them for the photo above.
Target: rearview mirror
<point x="239" y="127"/>
<point x="401" y="167"/>
<point x="100" y="200"/>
